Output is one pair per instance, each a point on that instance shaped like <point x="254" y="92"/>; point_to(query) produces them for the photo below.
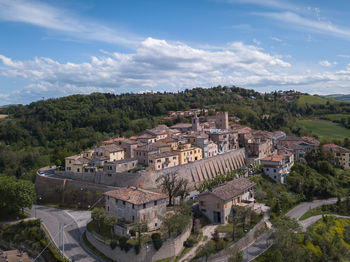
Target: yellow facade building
<point x="188" y="153"/>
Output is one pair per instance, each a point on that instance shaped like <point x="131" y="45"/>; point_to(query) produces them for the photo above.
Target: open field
<point x="3" y="116"/>
<point x="324" y="128"/>
<point x="337" y="116"/>
<point x="315" y="100"/>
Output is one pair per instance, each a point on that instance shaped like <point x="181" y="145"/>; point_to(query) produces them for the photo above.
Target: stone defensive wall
<point x="75" y="185"/>
<point x="208" y="168"/>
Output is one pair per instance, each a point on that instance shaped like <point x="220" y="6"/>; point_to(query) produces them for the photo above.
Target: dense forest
<point x="44" y="132"/>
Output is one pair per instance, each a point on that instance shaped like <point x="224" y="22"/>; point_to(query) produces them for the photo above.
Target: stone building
<point x="129" y="147"/>
<point x="163" y="160"/>
<point x="120" y="165"/>
<point x="111" y="152"/>
<point x="341" y="155"/>
<point x="142" y="153"/>
<point x="221" y="120"/>
<point x="216" y="203"/>
<point x="131" y="205"/>
<point x="299" y="146"/>
<point x="277" y="167"/>
<point x="195" y="124"/>
<point x="188" y="153"/>
<point x="76" y="163"/>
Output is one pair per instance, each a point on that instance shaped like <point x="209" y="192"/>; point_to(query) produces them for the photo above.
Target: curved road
<point x="261" y="244"/>
<point x="76" y="222"/>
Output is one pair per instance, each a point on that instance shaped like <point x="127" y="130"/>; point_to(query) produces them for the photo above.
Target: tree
<point x="176" y="222"/>
<point x="172" y="185"/>
<point x="16" y="194"/>
<point x="110" y="221"/>
<point x="98" y="214"/>
<point x="140" y="228"/>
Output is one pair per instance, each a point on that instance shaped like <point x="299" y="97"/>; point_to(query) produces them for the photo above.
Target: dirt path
<point x="207" y="232"/>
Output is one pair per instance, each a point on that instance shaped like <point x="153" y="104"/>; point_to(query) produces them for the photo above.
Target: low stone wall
<point x="240" y="244"/>
<point x="170" y="248"/>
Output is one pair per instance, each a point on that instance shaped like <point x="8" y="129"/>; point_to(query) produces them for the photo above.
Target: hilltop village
<point x="136" y="175"/>
<point x="207" y="136"/>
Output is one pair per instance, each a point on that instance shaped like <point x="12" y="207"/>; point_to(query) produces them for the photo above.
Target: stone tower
<point x="195" y="124"/>
<point x="221" y="121"/>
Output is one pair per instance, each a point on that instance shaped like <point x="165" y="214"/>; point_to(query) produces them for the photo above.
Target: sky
<point x="56" y="48"/>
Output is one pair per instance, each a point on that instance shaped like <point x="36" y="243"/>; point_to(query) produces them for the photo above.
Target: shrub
<point x="347" y="234"/>
<point x="132" y="232"/>
<point x="157" y="241"/>
<point x="113" y="244"/>
<point x="220" y="244"/>
<point x="190" y="242"/>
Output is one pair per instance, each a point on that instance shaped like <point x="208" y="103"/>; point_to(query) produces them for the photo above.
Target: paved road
<point x="312" y="220"/>
<point x="262" y="244"/>
<point x="76" y="221"/>
<point x="299" y="210"/>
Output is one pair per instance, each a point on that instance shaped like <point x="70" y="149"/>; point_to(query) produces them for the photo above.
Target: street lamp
<point x="35" y="208"/>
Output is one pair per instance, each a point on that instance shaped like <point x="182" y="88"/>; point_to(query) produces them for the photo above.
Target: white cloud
<point x="160" y="65"/>
<point x="315" y="26"/>
<point x="276" y="39"/>
<point x="155" y="64"/>
<point x="326" y="63"/>
<point x="63" y="21"/>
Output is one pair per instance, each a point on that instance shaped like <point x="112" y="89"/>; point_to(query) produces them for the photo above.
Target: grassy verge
<point x="342" y="209"/>
<point x="95" y="250"/>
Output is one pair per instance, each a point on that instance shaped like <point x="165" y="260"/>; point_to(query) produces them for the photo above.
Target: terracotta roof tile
<point x="135" y="195"/>
<point x="230" y="189"/>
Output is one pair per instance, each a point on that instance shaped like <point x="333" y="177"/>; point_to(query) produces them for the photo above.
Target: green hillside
<point x="314" y="100"/>
<point x="340" y="97"/>
<point x="323" y="128"/>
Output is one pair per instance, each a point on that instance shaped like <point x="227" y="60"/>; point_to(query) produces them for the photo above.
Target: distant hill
<point x="340" y="97"/>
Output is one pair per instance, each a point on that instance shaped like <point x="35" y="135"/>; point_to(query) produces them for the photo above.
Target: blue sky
<point x="57" y="48"/>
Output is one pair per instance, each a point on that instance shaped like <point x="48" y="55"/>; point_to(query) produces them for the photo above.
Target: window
<point x="107" y="208"/>
<point x="158" y="161"/>
<point x="174" y="158"/>
<point x="155" y="202"/>
<point x="133" y="218"/>
<point x="144" y="205"/>
<point x="155" y="224"/>
<point x="274" y="170"/>
<point x="124" y="203"/>
<point x="158" y="166"/>
<point x="116" y="201"/>
<point x="133" y="206"/>
<point x="109" y="174"/>
<point x="70" y="162"/>
<point x="202" y="203"/>
<point x="78" y="169"/>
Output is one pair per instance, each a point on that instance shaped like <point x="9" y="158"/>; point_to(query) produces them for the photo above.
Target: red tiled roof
<point x="230" y="189"/>
<point x="335" y="148"/>
<point x="274" y="158"/>
<point x="135" y="195"/>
